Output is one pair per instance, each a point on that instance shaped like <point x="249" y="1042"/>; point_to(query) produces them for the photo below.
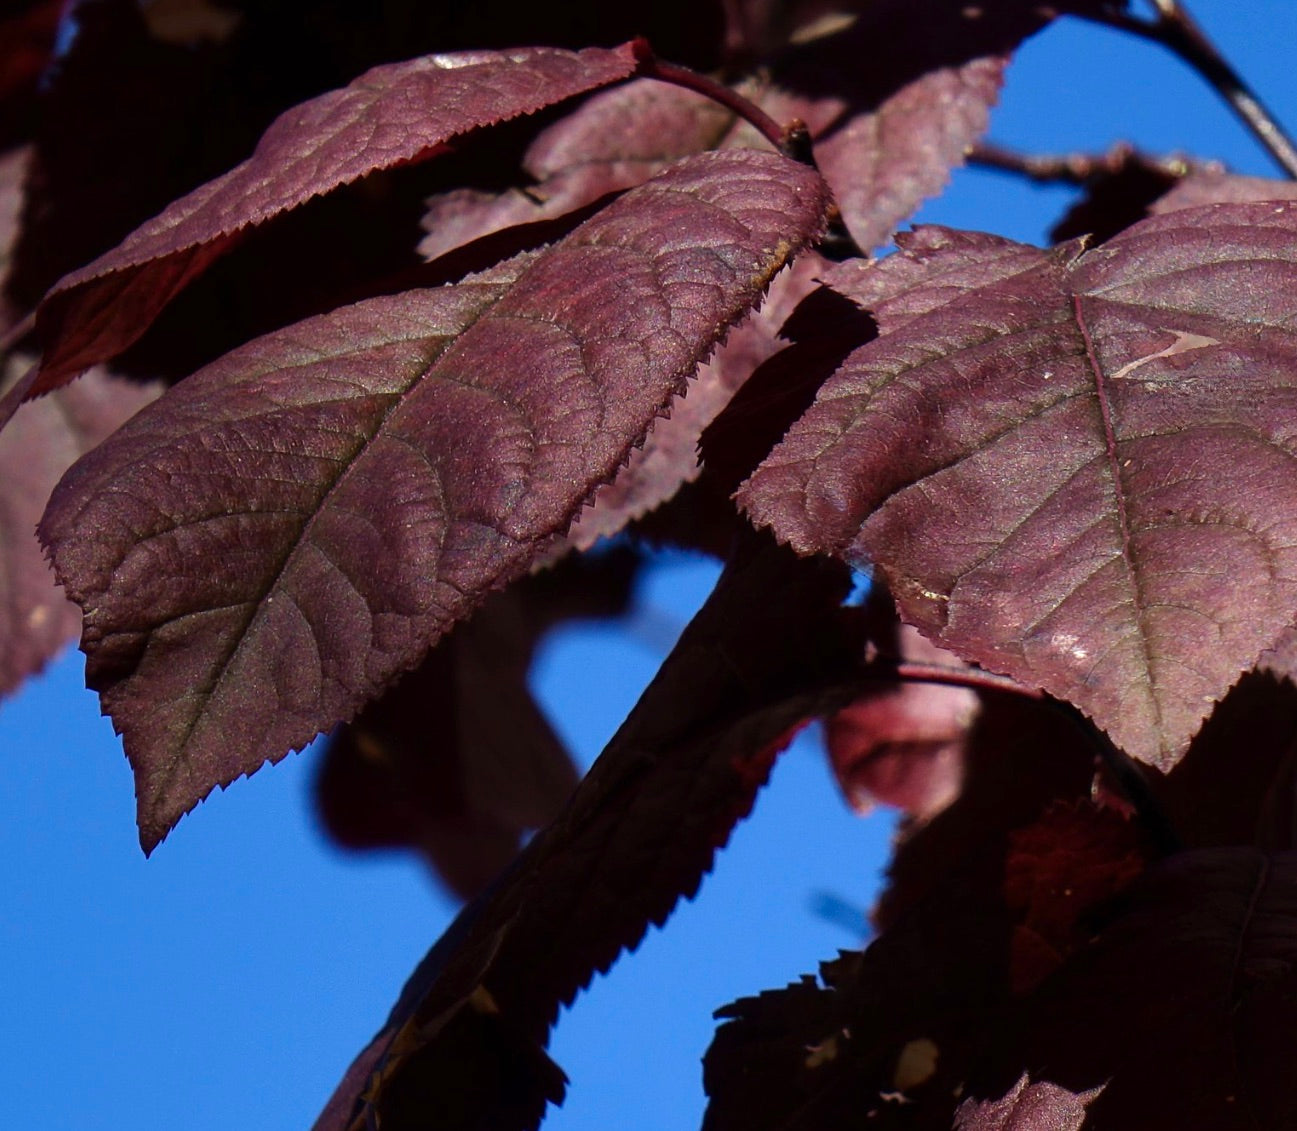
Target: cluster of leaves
<point x="1070" y="471"/>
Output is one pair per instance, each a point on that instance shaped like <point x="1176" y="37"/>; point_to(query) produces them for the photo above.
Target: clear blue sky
<point x="228" y="981"/>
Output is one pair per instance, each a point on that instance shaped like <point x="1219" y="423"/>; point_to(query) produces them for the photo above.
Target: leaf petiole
<point x="793" y="140"/>
<point x="1125" y="772"/>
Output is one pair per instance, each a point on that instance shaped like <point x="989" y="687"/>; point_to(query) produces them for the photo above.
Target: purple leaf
<point x="669" y="454"/>
<point x="616" y="140"/>
<point x="391" y="115"/>
<point x="36" y="619"/>
<point x="887" y="135"/>
<point x="294" y="525"/>
<point x="1217" y="187"/>
<point x="1039" y="1106"/>
<point x="1105" y="418"/>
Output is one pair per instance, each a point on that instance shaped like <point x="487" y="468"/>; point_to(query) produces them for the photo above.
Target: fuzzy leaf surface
<point x="1027" y="1106"/>
<point x="1121" y="427"/>
<point x="391" y="115"/>
<point x="293" y="526"/>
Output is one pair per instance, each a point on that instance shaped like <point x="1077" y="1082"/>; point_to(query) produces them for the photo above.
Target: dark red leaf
<point x="391" y="115"/>
<point x="616" y="140"/>
<point x="294" y="525"/>
<point x="457" y="760"/>
<point x="887" y="1038"/>
<point x="903" y="744"/>
<point x="1185" y="1005"/>
<point x="1243" y="760"/>
<point x="1073" y="859"/>
<point x="1039" y="1106"/>
<point x="1218" y="187"/>
<point x="36" y="619"/>
<point x="669" y="454"/>
<point x="639" y="833"/>
<point x="1105" y="418"/>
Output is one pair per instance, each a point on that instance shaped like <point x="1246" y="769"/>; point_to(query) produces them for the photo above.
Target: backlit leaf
<point x="1027" y="1106"/>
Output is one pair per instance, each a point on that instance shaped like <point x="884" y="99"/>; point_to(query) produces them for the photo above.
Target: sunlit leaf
<point x="395" y="113"/>
<point x="296" y="524"/>
<point x="1072" y="467"/>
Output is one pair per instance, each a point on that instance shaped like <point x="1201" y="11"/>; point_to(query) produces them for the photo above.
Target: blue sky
<point x="227" y="981"/>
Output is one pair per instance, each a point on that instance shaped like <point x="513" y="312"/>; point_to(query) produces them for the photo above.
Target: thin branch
<point x="1175" y="29"/>
<point x="1081" y="168"/>
<point x="950" y="675"/>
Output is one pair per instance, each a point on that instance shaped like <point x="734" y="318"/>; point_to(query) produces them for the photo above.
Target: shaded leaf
<point x="888" y="134"/>
<point x="457" y="760"/>
<point x="90" y="186"/>
<point x="1108" y="417"/>
<point x="886" y="1038"/>
<point x="617" y="139"/>
<point x="1185" y="1005"/>
<point x="1071" y="860"/>
<point x="823" y="330"/>
<point x="639" y="833"/>
<point x="393" y="114"/>
<point x="36" y="619"/>
<point x="1243" y="760"/>
<point x="27" y="30"/>
<point x="1028" y="1106"/>
<point x="294" y="525"/>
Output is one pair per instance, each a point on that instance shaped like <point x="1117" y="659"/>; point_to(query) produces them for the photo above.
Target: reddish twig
<point x="792" y="140"/>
